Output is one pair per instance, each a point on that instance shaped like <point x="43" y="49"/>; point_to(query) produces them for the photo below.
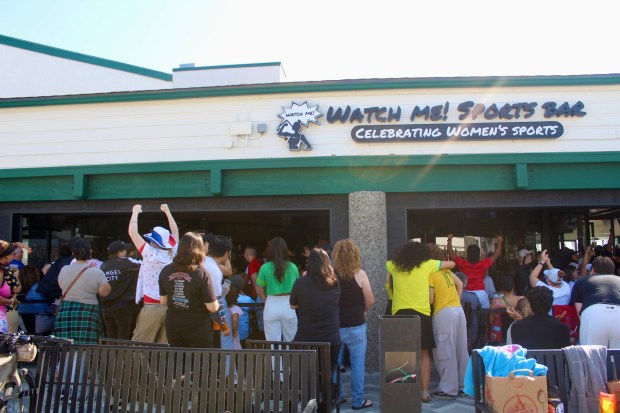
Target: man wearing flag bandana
<point x="158" y="248"/>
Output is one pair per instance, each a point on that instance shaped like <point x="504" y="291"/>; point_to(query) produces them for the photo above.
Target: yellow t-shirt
<point x="446" y="294"/>
<point x="411" y="288"/>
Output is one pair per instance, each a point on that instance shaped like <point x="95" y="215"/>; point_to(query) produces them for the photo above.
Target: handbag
<point x="62" y="298"/>
<point x="26" y="353"/>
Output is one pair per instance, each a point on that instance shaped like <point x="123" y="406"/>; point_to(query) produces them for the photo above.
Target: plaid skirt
<point x="79" y="321"/>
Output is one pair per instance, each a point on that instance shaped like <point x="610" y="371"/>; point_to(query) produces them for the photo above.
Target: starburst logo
<point x="293" y="119"/>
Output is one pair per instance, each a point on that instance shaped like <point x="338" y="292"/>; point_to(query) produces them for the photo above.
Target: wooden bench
<point x="155" y="379"/>
<point x="323" y="367"/>
<point x="558" y="375"/>
<point x="105" y="341"/>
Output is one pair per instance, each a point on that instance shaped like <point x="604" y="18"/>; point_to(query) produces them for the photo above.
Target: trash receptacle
<point x="399" y="364"/>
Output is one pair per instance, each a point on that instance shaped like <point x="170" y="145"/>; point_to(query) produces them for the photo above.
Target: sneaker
<point x="444" y="396"/>
<point x="463" y="394"/>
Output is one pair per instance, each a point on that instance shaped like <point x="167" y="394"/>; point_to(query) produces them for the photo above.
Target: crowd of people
<point x="183" y="292"/>
<point x="572" y="299"/>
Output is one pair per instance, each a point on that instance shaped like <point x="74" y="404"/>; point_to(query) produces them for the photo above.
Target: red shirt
<point x="253" y="268"/>
<point x="475" y="272"/>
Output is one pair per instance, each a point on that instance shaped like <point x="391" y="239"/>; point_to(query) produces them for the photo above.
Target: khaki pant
<point x="151" y="324"/>
<point x="450" y="353"/>
<point x="12" y="318"/>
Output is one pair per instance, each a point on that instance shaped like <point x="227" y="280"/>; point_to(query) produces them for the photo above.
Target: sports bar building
<point x="237" y="151"/>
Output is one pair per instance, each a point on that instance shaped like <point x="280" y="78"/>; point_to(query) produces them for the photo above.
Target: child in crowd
<point x="235" y="312"/>
<point x="518" y="312"/>
<point x="244" y="319"/>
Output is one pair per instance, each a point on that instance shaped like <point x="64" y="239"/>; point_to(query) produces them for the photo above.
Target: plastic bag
<point x="607" y="403"/>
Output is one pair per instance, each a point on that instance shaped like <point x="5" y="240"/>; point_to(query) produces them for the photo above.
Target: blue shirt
<point x="34" y="303"/>
<point x="17" y="262"/>
<point x="244" y="320"/>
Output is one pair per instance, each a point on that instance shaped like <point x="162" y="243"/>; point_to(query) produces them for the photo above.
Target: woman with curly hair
<point x="409" y="272"/>
<point x="356" y="299"/>
<point x="274" y="282"/>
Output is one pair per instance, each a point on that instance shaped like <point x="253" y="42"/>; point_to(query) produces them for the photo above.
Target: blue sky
<point x="336" y="39"/>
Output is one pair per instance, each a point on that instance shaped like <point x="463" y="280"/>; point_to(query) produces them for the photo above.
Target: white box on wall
<point x="241" y="128"/>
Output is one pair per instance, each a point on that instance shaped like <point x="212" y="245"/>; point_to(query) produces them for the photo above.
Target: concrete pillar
<point x="368" y="227"/>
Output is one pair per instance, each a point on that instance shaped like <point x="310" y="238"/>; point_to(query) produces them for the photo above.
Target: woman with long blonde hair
<point x="356" y="299"/>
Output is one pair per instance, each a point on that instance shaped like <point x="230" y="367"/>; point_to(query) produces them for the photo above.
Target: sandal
<point x="367" y="403"/>
<point x="426" y="396"/>
<point x="444" y="396"/>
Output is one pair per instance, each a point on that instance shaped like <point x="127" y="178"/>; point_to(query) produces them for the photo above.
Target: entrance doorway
<point x="534" y="229"/>
<point x="44" y="233"/>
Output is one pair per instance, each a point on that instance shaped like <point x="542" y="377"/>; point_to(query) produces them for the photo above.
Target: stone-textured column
<point x="368" y="227"/>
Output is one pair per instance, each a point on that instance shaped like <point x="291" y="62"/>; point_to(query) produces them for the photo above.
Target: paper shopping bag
<point x="516" y="393"/>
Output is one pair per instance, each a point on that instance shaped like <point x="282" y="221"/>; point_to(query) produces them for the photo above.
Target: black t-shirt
<point x="48" y="286"/>
<point x="317" y="311"/>
<point x="122" y="275"/>
<point x="538" y="332"/>
<point x="187" y="292"/>
<point x="351" y="304"/>
<point x="596" y="289"/>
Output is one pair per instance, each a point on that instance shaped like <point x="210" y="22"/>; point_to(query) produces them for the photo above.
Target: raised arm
<point x="498" y="249"/>
<point x="134" y="235"/>
<point x="451" y="253"/>
<point x="174" y="229"/>
<point x="583" y="269"/>
<point x="23" y="246"/>
<point x="544" y="259"/>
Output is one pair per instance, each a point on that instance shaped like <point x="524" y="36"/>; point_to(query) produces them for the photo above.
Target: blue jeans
<point x="354" y="338"/>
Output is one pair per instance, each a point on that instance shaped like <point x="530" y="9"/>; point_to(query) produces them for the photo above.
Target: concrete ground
<point x="372" y="392"/>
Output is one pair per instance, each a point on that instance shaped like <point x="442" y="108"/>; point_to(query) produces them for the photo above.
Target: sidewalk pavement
<point x="372" y="392"/>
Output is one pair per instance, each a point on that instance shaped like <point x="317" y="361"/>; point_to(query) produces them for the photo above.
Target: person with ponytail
<point x="274" y="282"/>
